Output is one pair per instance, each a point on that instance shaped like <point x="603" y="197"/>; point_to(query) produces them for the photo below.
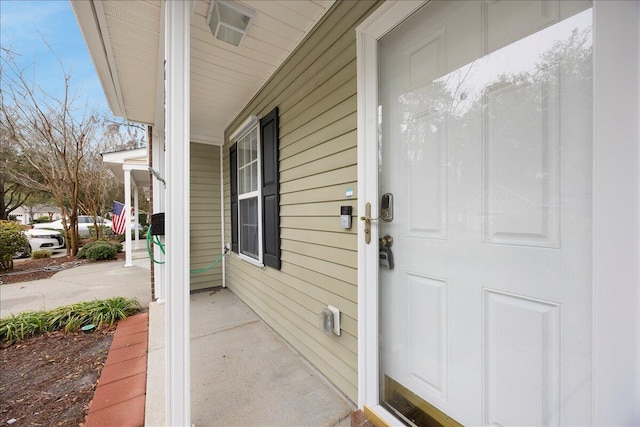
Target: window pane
<point x="248" y="162"/>
<point x="247" y="179"/>
<point x="254" y="176"/>
<point x="254" y="144"/>
<point x="249" y="227"/>
<point x="240" y="153"/>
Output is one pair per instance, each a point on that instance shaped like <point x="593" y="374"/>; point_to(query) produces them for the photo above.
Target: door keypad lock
<point x="386" y="256"/>
<point x="386" y="207"/>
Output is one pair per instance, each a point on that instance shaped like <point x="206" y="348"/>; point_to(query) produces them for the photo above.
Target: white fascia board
<point x="135" y="167"/>
<point x="207" y="139"/>
<point x="125" y="155"/>
<point x="92" y="22"/>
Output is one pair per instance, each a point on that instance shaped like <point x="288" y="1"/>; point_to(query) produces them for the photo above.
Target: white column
<point x="135" y="216"/>
<point x="177" y="34"/>
<point x="127" y="214"/>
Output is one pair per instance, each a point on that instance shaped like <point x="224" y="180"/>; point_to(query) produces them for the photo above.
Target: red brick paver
<point x="121" y="393"/>
<point x="359" y="420"/>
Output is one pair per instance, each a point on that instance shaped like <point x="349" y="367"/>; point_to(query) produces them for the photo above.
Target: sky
<point x="25" y="25"/>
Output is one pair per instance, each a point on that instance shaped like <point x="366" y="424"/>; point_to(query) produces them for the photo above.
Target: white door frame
<point x="616" y="213"/>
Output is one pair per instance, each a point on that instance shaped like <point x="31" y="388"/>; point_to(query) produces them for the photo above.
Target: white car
<point x="84" y="222"/>
<point x="50" y="240"/>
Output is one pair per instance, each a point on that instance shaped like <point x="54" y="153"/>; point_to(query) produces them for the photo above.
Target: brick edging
<point x="120" y="396"/>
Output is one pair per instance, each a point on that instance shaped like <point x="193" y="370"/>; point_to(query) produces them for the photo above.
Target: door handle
<point x="367" y="222"/>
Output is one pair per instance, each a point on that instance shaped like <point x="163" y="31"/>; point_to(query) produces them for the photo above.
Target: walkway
<point x="99" y="280"/>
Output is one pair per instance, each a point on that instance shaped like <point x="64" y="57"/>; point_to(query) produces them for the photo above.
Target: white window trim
<point x="244" y="128"/>
<point x="250" y="124"/>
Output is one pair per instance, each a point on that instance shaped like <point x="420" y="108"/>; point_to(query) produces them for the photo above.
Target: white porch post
<point x="135" y="216"/>
<point x="177" y="328"/>
<point x="127" y="214"/>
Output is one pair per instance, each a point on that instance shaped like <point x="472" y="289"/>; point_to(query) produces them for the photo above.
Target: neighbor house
<point x="458" y="179"/>
<point x="27" y="214"/>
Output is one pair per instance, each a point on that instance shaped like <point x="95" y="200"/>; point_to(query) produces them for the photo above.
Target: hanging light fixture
<point x="229" y="21"/>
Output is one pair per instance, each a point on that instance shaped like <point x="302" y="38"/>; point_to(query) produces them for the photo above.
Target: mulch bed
<point x="49" y="380"/>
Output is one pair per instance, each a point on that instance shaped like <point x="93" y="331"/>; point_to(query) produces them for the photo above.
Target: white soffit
<point x="123" y="38"/>
<point x="134" y="29"/>
<point x="224" y="78"/>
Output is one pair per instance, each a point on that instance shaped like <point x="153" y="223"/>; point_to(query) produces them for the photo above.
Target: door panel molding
<point x="521" y="386"/>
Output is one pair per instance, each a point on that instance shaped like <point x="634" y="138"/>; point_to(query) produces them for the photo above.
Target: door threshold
<point x="411" y="409"/>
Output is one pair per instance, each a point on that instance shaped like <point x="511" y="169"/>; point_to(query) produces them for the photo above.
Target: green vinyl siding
<point x="315" y="91"/>
<point x="206" y="227"/>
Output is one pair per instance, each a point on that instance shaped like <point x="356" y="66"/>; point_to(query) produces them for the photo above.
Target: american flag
<point x="118" y="218"/>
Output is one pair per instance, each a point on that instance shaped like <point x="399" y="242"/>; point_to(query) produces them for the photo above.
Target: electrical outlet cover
<point x="336" y="319"/>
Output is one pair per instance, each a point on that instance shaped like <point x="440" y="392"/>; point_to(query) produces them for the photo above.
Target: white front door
<point x="486" y="148"/>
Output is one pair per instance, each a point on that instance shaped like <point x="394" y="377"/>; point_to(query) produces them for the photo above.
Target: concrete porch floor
<point x="242" y="372"/>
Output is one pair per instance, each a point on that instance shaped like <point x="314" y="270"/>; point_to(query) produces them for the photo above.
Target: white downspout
<point x="127" y="215"/>
<point x="177" y="327"/>
<point x="135" y="216"/>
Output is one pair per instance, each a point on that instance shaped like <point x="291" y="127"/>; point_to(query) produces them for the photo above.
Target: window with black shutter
<point x="255" y="200"/>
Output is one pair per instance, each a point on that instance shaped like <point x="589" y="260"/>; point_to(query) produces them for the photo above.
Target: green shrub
<point x="41" y="219"/>
<point x="71" y="318"/>
<point x="117" y="245"/>
<point x="101" y="251"/>
<point x="12" y="241"/>
<point x="40" y="254"/>
<point x="82" y="253"/>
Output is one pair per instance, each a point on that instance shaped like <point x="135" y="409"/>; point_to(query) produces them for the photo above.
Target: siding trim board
<point x="315" y="92"/>
<point x="205" y="214"/>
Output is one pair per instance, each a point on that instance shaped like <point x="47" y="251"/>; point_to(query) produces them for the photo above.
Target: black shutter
<point x="233" y="171"/>
<point x="270" y="189"/>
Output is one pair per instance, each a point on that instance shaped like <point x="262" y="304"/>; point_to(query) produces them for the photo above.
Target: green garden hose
<point x="156" y="240"/>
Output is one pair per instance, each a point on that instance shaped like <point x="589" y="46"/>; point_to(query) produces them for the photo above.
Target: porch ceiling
<point x="124" y="38"/>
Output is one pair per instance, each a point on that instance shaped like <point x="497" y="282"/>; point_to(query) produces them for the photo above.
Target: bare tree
<point x="13" y="194"/>
<point x="121" y="135"/>
<point x="52" y="135"/>
<point x="96" y="182"/>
